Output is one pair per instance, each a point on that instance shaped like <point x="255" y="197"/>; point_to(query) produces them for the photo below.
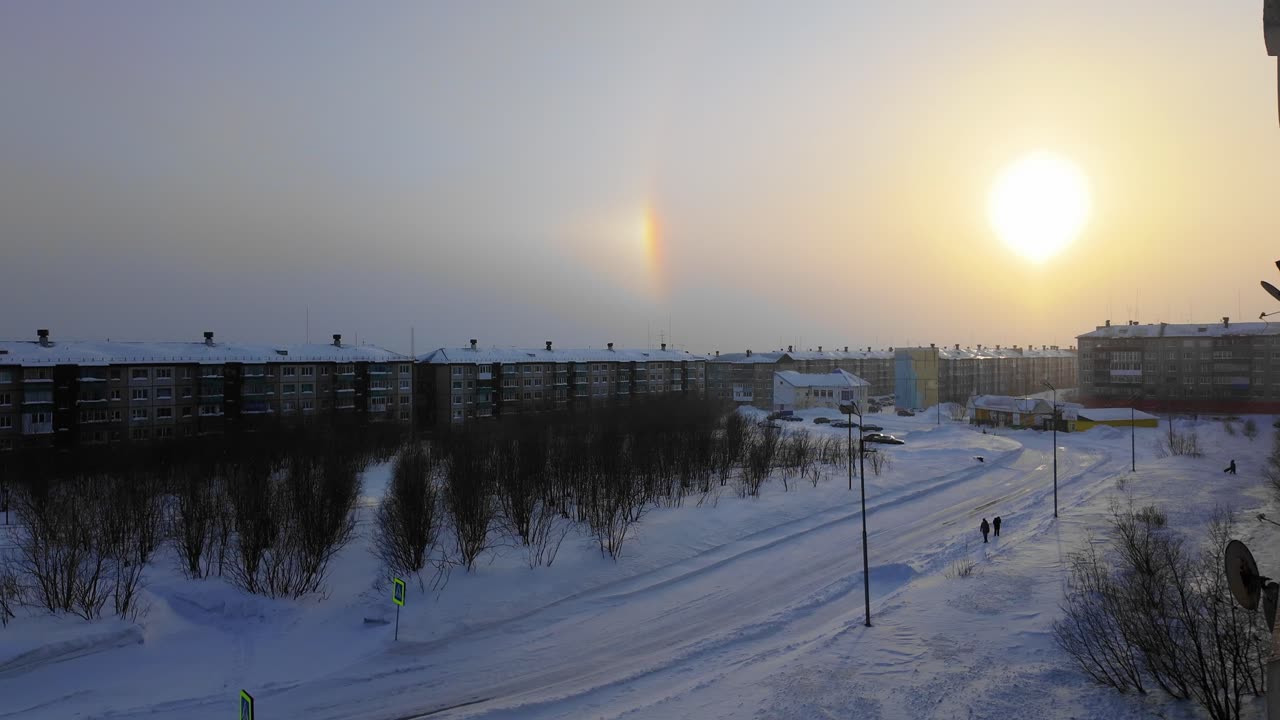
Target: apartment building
<point x="926" y="375"/>
<point x="458" y="385"/>
<point x="69" y="394"/>
<point x="748" y="378"/>
<point x="1222" y="367"/>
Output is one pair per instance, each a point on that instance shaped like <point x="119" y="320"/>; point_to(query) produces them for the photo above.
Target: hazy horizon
<point x="727" y="175"/>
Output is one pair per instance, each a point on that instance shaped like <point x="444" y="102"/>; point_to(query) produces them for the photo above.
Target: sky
<point x="716" y="175"/>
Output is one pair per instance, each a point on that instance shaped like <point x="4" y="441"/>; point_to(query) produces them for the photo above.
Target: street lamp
<point x="1133" y="433"/>
<point x="1055" y="445"/>
<point x="852" y="409"/>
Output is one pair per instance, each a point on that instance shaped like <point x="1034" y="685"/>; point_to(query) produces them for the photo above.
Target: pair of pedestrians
<point x="986" y="527"/>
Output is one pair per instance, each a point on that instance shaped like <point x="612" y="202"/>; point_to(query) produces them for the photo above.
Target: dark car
<point x="871" y="428"/>
<point x="882" y="439"/>
<point x="770" y="425"/>
<point x="821" y="421"/>
<point x="844" y="424"/>
<point x="791" y="418"/>
<point x="905" y="413"/>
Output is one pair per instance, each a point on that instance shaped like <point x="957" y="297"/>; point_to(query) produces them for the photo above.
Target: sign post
<point x="397" y="597"/>
<point x="246" y="705"/>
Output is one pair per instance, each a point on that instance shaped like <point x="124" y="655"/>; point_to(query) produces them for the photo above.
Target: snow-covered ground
<point x="737" y="608"/>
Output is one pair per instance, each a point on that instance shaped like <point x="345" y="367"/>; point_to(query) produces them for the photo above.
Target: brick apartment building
<point x="1221" y="367"/>
<point x="69" y="394"/>
<point x="459" y="385"/>
<point x="748" y="378"/>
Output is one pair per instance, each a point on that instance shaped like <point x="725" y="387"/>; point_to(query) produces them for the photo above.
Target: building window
<point x="457" y="384"/>
<point x="404" y="414"/>
<point x="6" y="398"/>
<point x="115" y="374"/>
<point x="457" y="371"/>
<point x="309" y="371"/>
<point x="308" y="388"/>
<point x="164" y="433"/>
<point x="457" y="399"/>
<point x="139" y="414"/>
<point x="184" y="373"/>
<point x="116" y="416"/>
<point x="289" y="389"/>
<point x="404" y="384"/>
<point x="164" y="373"/>
<point x="164" y="413"/>
<point x="115" y="394"/>
<point x="289" y="371"/>
<point x="139" y="434"/>
<point x="164" y="393"/>
<point x="213" y="409"/>
<point x="288" y="406"/>
<point x="6" y="422"/>
<point x="405" y="369"/>
<point x="404" y="399"/>
<point x="186" y="411"/>
<point x="141" y="394"/>
<point x="308" y="405"/>
<point x="6" y="376"/>
<point x="457" y="414"/>
<point x="139" y="374"/>
<point x="324" y="371"/>
<point x="186" y="392"/>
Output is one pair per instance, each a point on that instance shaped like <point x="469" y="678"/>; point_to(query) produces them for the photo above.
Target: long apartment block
<point x="926" y="375"/>
<point x="748" y="378"/>
<point x="459" y="385"/>
<point x="68" y="394"/>
<point x="1219" y="367"/>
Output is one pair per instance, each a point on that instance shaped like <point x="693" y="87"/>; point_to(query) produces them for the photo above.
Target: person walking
<point x="985" y="528"/>
<point x="1231" y="468"/>
<point x="995" y="525"/>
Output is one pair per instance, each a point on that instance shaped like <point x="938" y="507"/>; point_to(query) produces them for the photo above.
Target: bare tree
<point x="407" y="527"/>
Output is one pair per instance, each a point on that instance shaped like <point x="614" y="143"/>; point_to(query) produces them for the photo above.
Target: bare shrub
<point x="880" y="461"/>
<point x="1250" y="429"/>
<point x="468" y="495"/>
<point x="1150" y="609"/>
<point x="10" y="591"/>
<point x="198" y="519"/>
<point x="963" y="566"/>
<point x="407" y="525"/>
<point x="1229" y="426"/>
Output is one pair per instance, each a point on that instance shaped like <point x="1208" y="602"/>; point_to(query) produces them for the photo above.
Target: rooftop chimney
<point x="337" y="340"/>
<point x="931" y="345"/>
<point x="664" y="346"/>
<point x="819" y="348"/>
<point x="610" y="346"/>
<point x="868" y="348"/>
<point x="473" y="343"/>
<point x="717" y="353"/>
<point x="846" y="348"/>
<point x="1108" y="323"/>
<point x="748" y="352"/>
<point x="548" y="344"/>
<point x="43" y="334"/>
<point x="957" y="346"/>
<point x="1226" y="321"/>
<point x="208" y="338"/>
<point x="789" y="348"/>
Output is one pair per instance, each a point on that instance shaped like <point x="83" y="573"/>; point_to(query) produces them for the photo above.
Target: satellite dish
<point x="1271" y="289"/>
<point x="1242" y="575"/>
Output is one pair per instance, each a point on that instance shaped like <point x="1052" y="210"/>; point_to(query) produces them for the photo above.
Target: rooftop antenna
<point x="306" y="333"/>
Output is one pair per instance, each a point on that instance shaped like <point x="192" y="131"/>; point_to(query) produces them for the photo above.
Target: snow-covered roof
<point x="1005" y="403"/>
<point x="994" y="353"/>
<point x="31" y="353"/>
<point x="489" y="356"/>
<point x="835" y="378"/>
<point x="1181" y="330"/>
<point x="777" y="355"/>
<point x="1108" y="414"/>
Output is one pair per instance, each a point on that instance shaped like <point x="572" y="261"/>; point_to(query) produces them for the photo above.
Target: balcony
<point x="91" y="401"/>
<point x="30" y="427"/>
<point x="484" y="376"/>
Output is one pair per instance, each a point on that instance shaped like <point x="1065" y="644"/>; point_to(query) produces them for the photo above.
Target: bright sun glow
<point x="1039" y="204"/>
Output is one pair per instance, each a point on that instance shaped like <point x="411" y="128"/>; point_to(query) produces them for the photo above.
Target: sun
<point x="1039" y="204"/>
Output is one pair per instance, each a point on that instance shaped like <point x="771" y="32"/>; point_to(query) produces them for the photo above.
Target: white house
<point x="798" y="391"/>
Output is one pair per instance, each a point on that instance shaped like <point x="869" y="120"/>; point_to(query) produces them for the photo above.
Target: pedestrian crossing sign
<point x="246" y="706"/>
<point x="397" y="591"/>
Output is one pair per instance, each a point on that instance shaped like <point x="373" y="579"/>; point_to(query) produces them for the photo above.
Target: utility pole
<point x="1055" y="445"/>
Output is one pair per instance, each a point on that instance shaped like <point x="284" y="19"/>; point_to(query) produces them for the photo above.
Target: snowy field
<point x="738" y="608"/>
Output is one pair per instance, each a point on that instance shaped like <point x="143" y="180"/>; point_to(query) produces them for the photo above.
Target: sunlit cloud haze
<point x="727" y="174"/>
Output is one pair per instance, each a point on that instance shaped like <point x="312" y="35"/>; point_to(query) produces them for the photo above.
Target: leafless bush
<point x="200" y="523"/>
<point x="1179" y="443"/>
<point x="1229" y="426"/>
<point x="1271" y="469"/>
<point x="957" y="411"/>
<point x="10" y="592"/>
<point x="468" y="495"/>
<point x="407" y="525"/>
<point x="880" y="461"/>
<point x="1250" y="429"/>
<point x="963" y="566"/>
<point x="1152" y="610"/>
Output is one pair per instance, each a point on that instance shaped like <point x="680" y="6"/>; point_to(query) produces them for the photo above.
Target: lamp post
<point x="1133" y="433"/>
<point x="852" y="409"/>
<point x="1055" y="445"/>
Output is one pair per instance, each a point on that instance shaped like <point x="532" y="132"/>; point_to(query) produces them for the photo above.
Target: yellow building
<point x="1115" y="417"/>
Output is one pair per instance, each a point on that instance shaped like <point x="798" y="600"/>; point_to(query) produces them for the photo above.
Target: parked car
<point x="791" y="418"/>
<point x="903" y="412"/>
<point x="882" y="439"/>
<point x="844" y="424"/>
<point x="873" y="407"/>
<point x="770" y="425"/>
<point x="821" y="421"/>
<point x="870" y="428"/>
